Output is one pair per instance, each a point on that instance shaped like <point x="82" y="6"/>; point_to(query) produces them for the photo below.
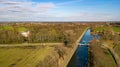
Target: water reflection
<point x="80" y="58"/>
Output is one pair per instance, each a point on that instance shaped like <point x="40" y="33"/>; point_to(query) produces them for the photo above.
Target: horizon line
<point x="58" y="21"/>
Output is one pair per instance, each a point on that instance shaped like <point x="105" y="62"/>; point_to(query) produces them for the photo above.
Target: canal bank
<point x="69" y="56"/>
<point x="80" y="57"/>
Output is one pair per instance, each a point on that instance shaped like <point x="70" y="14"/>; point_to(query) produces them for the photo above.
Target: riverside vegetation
<point x="99" y="55"/>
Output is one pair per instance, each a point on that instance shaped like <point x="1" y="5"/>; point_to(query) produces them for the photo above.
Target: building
<point x="25" y="33"/>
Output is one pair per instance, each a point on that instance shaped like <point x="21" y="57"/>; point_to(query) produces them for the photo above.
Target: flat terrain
<point x="101" y="28"/>
<point x="23" y="56"/>
<point x="116" y="29"/>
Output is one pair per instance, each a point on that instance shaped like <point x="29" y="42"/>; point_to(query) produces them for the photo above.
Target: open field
<point x="101" y="28"/>
<point x="21" y="29"/>
<point x="6" y="27"/>
<point x="33" y="56"/>
<point x="116" y="29"/>
<point x="23" y="56"/>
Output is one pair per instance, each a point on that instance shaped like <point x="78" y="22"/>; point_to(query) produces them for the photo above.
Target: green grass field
<point x="23" y="56"/>
<point x="117" y="49"/>
<point x="6" y="27"/>
<point x="116" y="29"/>
<point x="21" y="29"/>
<point x="101" y="28"/>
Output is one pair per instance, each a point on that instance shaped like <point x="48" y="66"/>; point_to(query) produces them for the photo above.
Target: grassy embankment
<point x="100" y="57"/>
<point x="117" y="47"/>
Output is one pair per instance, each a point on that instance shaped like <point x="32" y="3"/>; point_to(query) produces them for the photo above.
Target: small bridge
<point x="83" y="43"/>
<point x="68" y="58"/>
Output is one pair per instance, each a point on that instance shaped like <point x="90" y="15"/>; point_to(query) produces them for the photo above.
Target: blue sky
<point x="59" y="10"/>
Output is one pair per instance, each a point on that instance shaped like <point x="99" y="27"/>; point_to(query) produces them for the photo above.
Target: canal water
<point x="80" y="57"/>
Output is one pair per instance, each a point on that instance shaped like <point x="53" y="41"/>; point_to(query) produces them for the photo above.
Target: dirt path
<point x="30" y="44"/>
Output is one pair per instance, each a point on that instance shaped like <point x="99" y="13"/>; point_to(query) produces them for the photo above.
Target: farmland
<point x="23" y="56"/>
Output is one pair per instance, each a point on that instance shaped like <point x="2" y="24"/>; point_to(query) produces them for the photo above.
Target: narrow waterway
<point x="80" y="57"/>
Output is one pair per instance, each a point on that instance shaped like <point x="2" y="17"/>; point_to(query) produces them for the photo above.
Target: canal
<point x="80" y="57"/>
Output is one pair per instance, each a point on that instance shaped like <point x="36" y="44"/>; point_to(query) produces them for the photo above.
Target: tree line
<point x="40" y="32"/>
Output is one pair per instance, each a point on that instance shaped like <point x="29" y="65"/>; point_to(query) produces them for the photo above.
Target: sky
<point x="59" y="10"/>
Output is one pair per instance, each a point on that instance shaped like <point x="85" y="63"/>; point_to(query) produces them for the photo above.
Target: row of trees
<point x="45" y="32"/>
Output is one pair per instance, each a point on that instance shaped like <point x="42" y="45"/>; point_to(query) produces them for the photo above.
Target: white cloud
<point x="68" y="2"/>
<point x="89" y="16"/>
<point x="25" y="10"/>
<point x="45" y="6"/>
<point x="32" y="6"/>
